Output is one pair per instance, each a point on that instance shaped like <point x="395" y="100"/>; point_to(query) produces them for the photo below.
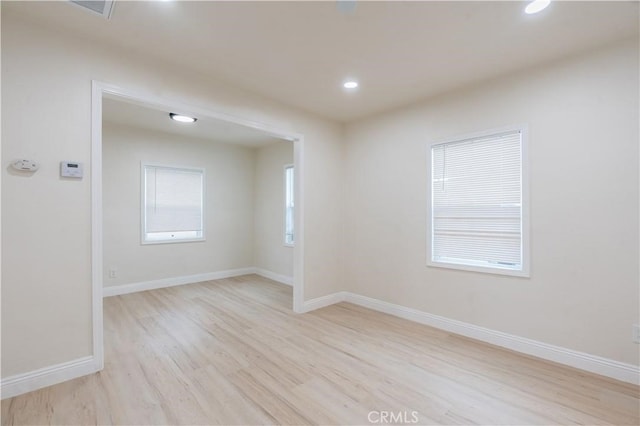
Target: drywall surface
<point x="46" y="220"/>
<point x="583" y="123"/>
<point x="270" y="253"/>
<point x="228" y="208"/>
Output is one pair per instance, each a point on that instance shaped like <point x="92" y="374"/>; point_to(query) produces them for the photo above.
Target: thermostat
<point x="71" y="169"/>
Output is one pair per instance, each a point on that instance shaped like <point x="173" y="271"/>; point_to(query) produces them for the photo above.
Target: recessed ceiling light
<point x="350" y="84"/>
<point x="182" y="118"/>
<point x="536" y="6"/>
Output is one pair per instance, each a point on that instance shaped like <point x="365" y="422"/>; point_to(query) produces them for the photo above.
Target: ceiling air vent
<point x="100" y="7"/>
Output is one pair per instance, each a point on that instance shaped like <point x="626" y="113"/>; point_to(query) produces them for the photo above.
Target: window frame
<point x="525" y="270"/>
<point x="143" y="240"/>
<point x="284" y="218"/>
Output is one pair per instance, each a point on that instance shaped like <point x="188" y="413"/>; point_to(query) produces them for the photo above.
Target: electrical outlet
<point x="112" y="273"/>
<point x="636" y="333"/>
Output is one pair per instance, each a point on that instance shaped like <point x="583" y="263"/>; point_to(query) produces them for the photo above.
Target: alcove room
<point x="191" y="201"/>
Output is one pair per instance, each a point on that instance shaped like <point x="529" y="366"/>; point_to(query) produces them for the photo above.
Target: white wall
<point x="583" y="122"/>
<point x="229" y="206"/>
<point x="270" y="253"/>
<point x="583" y="118"/>
<point x="46" y="221"/>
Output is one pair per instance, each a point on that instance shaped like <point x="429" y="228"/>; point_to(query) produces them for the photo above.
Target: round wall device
<point x="25" y="165"/>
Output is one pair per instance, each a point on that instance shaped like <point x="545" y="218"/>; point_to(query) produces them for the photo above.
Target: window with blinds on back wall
<point x="477" y="204"/>
<point x="172" y="204"/>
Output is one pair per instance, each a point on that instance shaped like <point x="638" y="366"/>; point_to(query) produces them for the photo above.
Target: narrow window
<point x="172" y="204"/>
<point x="477" y="214"/>
<point x="288" y="206"/>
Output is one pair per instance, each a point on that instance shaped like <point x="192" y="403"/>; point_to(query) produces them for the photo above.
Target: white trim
<point x="526" y="201"/>
<point x="482" y="269"/>
<point x="283" y="279"/>
<point x="96" y="224"/>
<point x="298" y="224"/>
<point x="323" y="301"/>
<point x="174" y="281"/>
<point x="525" y="272"/>
<point x="27" y="382"/>
<point x="191" y="279"/>
<point x="43" y="377"/>
<point x="100" y="89"/>
<point x="147" y="99"/>
<point x="583" y="361"/>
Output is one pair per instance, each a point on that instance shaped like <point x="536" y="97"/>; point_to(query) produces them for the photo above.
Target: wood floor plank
<point x="232" y="352"/>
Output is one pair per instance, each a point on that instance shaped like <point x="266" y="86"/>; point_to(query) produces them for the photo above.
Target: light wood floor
<point x="232" y="352"/>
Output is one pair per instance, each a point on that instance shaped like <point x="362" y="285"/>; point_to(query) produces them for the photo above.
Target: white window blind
<point x="172" y="204"/>
<point x="288" y="205"/>
<point x="476" y="202"/>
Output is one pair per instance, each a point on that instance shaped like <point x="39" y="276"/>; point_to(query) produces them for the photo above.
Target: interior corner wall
<point x="583" y="123"/>
<point x="228" y="208"/>
<point x="270" y="253"/>
<point x="46" y="221"/>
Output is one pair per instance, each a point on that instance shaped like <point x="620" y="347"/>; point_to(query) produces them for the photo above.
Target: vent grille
<point x="99" y="7"/>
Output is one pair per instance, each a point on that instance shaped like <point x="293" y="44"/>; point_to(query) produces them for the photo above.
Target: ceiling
<point x="300" y="52"/>
<point x="144" y="117"/>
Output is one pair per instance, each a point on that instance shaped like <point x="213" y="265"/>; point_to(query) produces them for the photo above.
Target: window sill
<point x="482" y="269"/>
<point x="176" y="241"/>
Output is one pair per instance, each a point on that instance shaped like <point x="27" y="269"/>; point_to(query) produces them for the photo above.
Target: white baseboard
<point x="283" y="279"/>
<point x="583" y="361"/>
<point x="41" y="378"/>
<point x="170" y="282"/>
<point x="603" y="366"/>
<point x="606" y="367"/>
<point x="321" y="302"/>
<point x="34" y="380"/>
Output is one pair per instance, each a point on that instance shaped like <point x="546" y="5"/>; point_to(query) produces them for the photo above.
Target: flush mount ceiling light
<point x="182" y="118"/>
<point x="351" y="84"/>
<point x="536" y="6"/>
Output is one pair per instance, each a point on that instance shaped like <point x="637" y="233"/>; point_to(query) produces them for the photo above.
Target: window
<point x="288" y="206"/>
<point x="172" y="204"/>
<point x="478" y="204"/>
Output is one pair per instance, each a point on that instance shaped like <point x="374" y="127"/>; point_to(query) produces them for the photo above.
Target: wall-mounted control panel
<point x="71" y="169"/>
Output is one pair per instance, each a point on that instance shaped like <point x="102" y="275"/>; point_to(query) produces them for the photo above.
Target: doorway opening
<point x="200" y="188"/>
